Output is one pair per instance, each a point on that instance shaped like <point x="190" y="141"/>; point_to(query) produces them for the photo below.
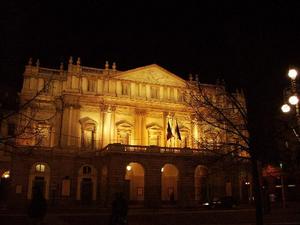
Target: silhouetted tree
<point x="224" y="118"/>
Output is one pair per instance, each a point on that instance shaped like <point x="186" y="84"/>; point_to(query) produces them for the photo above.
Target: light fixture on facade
<point x="6" y="175"/>
<point x="162" y="170"/>
<point x="128" y="168"/>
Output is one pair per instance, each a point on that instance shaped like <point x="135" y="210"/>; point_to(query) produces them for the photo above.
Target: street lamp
<point x="293" y="99"/>
<point x="293" y="102"/>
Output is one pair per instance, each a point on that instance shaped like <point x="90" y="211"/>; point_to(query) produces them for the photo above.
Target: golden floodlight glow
<point x="128" y="168"/>
<point x="285" y="108"/>
<point x="292" y="74"/>
<point x="162" y="170"/>
<point x="6" y="175"/>
<point x="294" y="100"/>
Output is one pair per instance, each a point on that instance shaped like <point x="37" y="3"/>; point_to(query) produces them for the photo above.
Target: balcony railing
<point x="155" y="149"/>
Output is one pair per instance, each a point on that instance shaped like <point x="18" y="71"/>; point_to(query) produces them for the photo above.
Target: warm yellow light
<point x="40" y="168"/>
<point x="294" y="100"/>
<point x="162" y="170"/>
<point x="285" y="108"/>
<point x="292" y="74"/>
<point x="6" y="175"/>
<point x="128" y="168"/>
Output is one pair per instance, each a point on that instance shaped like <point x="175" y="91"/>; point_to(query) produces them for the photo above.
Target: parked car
<point x="226" y="202"/>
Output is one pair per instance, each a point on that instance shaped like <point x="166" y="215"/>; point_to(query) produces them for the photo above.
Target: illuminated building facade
<point x="95" y="132"/>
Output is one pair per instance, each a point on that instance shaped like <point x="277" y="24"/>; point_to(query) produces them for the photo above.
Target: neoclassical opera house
<point x="90" y="133"/>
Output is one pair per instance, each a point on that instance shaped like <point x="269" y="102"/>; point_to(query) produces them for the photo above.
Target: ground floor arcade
<point x="147" y="178"/>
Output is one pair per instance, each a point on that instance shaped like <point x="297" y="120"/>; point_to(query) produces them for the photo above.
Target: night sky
<point x="250" y="45"/>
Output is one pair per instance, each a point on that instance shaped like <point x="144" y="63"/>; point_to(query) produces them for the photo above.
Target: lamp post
<point x="293" y="103"/>
<point x="293" y="99"/>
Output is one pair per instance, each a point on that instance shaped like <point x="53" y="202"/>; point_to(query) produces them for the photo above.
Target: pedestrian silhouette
<point x="119" y="210"/>
<point x="37" y="207"/>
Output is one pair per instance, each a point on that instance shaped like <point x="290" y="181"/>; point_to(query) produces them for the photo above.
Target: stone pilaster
<point x="153" y="187"/>
<point x="140" y="126"/>
<point x="108" y="124"/>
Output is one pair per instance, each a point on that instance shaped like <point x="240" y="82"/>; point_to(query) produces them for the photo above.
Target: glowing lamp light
<point x="294" y="100"/>
<point x="128" y="168"/>
<point x="162" y="170"/>
<point x="285" y="108"/>
<point x="292" y="74"/>
<point x="6" y="175"/>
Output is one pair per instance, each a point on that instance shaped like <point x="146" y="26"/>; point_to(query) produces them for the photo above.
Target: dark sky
<point x="250" y="45"/>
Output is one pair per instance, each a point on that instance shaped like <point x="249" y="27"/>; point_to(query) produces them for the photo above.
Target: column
<point x="195" y="133"/>
<point x="106" y="131"/>
<point x="68" y="133"/>
<point x="137" y="127"/>
<point x="144" y="136"/>
<point x="164" y="132"/>
<point x="113" y="138"/>
<point x="140" y="127"/>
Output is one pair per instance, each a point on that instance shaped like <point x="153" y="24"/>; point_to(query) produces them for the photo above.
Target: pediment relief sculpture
<point x="154" y="126"/>
<point x="152" y="74"/>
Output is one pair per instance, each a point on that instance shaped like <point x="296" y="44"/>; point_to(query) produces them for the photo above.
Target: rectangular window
<point x="180" y="96"/>
<point x="125" y="89"/>
<point x="91" y="85"/>
<point x="142" y="90"/>
<point x="154" y="92"/>
<point x="47" y="86"/>
<point x="171" y="93"/>
<point x="165" y="93"/>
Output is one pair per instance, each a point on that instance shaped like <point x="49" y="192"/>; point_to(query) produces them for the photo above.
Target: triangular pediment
<point x="152" y="74"/>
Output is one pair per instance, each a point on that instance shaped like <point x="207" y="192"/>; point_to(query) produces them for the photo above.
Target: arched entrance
<point x="86" y="184"/>
<point x="4" y="187"/>
<point x="201" y="189"/>
<point x="39" y="179"/>
<point x="135" y="177"/>
<point x="169" y="180"/>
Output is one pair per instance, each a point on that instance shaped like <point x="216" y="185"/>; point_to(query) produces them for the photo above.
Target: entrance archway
<point x="86" y="184"/>
<point x="39" y="178"/>
<point x="135" y="177"/>
<point x="169" y="180"/>
<point x="201" y="191"/>
<point x="4" y="186"/>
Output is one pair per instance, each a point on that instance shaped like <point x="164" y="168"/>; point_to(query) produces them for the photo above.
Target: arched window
<point x="124" y="132"/>
<point x="154" y="134"/>
<point x="86" y="184"/>
<point x="40" y="168"/>
<point x="43" y="135"/>
<point x="88" y="133"/>
<point x="39" y="178"/>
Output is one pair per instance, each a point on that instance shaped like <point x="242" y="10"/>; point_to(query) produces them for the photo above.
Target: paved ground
<point x="170" y="216"/>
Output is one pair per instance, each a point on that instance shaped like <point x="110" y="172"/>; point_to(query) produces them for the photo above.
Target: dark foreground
<point x="244" y="216"/>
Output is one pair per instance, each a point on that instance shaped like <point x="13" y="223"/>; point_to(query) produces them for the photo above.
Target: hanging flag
<point x="169" y="131"/>
<point x="178" y="131"/>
